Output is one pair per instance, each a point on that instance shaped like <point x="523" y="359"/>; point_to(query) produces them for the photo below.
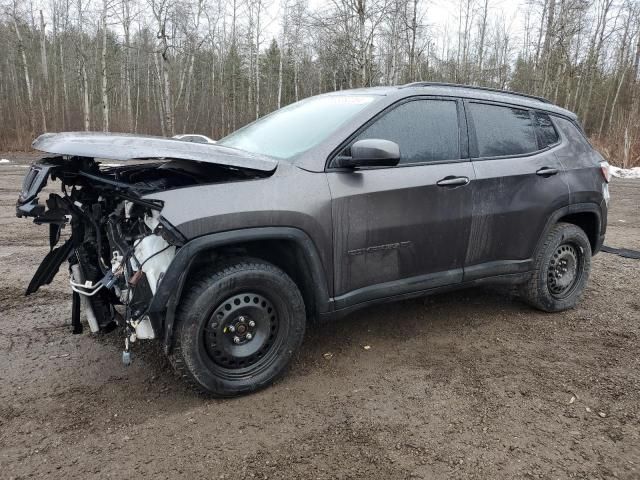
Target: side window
<point x="546" y="131"/>
<point x="502" y="130"/>
<point x="425" y="130"/>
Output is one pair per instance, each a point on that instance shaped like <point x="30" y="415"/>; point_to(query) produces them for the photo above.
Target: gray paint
<point x="291" y="197"/>
<point x="390" y="232"/>
<point x="402" y="204"/>
<point x="384" y="232"/>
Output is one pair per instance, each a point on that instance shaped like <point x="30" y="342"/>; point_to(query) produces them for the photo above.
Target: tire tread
<point x="197" y="287"/>
<point x="531" y="290"/>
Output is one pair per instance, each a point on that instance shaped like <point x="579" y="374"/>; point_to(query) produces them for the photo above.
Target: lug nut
<point x="241" y="318"/>
<point x="236" y="339"/>
<point x="252" y="323"/>
<point x="249" y="336"/>
<point x="231" y="328"/>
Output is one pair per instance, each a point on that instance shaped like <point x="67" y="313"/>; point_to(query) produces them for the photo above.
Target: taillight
<point x="606" y="172"/>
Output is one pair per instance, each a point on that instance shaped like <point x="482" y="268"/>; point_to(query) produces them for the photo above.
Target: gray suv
<point x="223" y="252"/>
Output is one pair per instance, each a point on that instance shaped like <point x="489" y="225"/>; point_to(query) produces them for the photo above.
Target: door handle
<point x="452" y="181"/>
<point x="547" y="171"/>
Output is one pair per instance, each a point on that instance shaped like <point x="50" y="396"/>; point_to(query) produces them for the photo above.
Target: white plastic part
<point x="146" y="251"/>
<point x="152" y="220"/>
<point x="144" y="330"/>
<point x="154" y="263"/>
<point x="116" y="260"/>
<point x="86" y="304"/>
<point x="128" y="206"/>
<point x="88" y="285"/>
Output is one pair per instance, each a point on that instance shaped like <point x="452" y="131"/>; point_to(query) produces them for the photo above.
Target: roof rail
<point x="486" y="89"/>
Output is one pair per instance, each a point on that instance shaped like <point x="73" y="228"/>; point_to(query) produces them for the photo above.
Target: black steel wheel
<point x="565" y="268"/>
<point x="241" y="331"/>
<point x="238" y="328"/>
<point x="561" y="269"/>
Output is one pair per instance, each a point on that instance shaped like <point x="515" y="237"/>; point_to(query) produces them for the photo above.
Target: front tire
<point x="237" y="328"/>
<point x="561" y="272"/>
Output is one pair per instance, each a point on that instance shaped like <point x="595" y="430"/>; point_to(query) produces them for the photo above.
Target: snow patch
<point x="4" y="160"/>
<point x="625" y="172"/>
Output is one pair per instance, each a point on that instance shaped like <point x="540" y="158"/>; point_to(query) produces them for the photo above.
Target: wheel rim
<point x="564" y="270"/>
<point x="241" y="332"/>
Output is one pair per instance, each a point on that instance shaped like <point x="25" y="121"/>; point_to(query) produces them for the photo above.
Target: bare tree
<point x="161" y="66"/>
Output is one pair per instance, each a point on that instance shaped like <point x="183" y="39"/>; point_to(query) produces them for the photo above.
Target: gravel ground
<point x="472" y="384"/>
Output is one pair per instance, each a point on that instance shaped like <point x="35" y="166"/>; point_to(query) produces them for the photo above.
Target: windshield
<point x="297" y="127"/>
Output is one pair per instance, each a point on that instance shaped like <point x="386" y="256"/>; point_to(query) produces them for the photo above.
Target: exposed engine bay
<point x="115" y="241"/>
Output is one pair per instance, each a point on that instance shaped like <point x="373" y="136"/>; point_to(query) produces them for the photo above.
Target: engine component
<point x="76" y="274"/>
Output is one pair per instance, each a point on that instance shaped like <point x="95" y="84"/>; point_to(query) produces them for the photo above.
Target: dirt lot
<point x="464" y="385"/>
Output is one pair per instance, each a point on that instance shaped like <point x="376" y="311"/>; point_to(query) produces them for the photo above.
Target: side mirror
<point x="371" y="152"/>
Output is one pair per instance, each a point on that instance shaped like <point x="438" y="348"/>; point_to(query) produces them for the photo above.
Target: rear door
<point x="404" y="229"/>
<point x="519" y="184"/>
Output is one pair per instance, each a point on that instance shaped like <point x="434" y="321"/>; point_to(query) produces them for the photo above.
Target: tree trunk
<point x="168" y="106"/>
<point x="85" y="96"/>
<point x="43" y="49"/>
<point x="546" y="49"/>
<point x="412" y="47"/>
<point x="160" y="94"/>
<point x="540" y="33"/>
<point x="282" y="50"/>
<point x="103" y="57"/>
<point x="595" y="56"/>
<point x="259" y="5"/>
<point x="126" y="23"/>
<point x="483" y="31"/>
<point x="27" y="76"/>
<point x="361" y="12"/>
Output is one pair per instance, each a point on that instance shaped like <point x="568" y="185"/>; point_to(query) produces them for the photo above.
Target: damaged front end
<point x="119" y="246"/>
<point x="116" y="242"/>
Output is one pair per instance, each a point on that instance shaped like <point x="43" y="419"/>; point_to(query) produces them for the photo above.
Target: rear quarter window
<point x="502" y="130"/>
<point x="546" y="131"/>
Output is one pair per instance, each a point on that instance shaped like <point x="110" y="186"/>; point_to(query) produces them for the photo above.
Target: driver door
<point x="404" y="229"/>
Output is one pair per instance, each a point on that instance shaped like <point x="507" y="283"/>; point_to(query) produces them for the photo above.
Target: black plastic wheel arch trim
<point x="170" y="288"/>
<point x="594" y="208"/>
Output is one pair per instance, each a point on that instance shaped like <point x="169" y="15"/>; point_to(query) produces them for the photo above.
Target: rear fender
<point x="592" y="208"/>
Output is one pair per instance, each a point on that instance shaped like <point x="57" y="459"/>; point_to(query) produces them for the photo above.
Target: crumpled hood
<point x="122" y="146"/>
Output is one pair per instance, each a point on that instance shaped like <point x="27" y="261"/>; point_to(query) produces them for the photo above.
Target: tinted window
<point x="546" y="130"/>
<point x="502" y="130"/>
<point x="297" y="127"/>
<point x="425" y="130"/>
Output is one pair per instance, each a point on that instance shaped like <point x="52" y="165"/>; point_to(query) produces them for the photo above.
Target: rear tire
<point x="561" y="272"/>
<point x="237" y="328"/>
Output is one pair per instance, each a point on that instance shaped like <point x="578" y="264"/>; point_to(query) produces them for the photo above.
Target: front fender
<point x="169" y="290"/>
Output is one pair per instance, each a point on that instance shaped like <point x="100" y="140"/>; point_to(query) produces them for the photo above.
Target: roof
<point x="465" y="91"/>
<point x="470" y="87"/>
